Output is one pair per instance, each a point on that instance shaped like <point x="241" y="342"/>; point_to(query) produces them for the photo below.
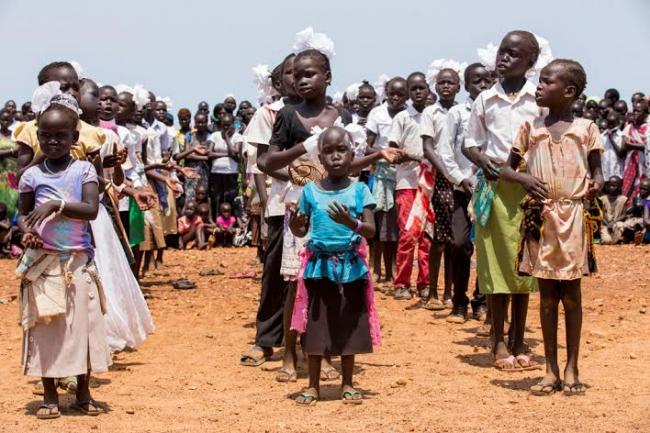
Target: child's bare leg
<point x="290" y="359"/>
<point x="376" y="253"/>
<point x="159" y="258"/>
<point x="348" y="393"/>
<point x="148" y="255"/>
<point x="499" y="348"/>
<point x="518" y="323"/>
<point x="50" y="395"/>
<point x="85" y="402"/>
<point x="328" y="372"/>
<point x="449" y="281"/>
<point x="137" y="262"/>
<point x="388" y="251"/>
<point x="200" y="237"/>
<point x="572" y="302"/>
<point x="435" y="256"/>
<point x="548" y="314"/>
<point x="310" y="394"/>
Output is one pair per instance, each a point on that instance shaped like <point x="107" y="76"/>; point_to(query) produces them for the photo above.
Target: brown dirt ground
<point x="186" y="377"/>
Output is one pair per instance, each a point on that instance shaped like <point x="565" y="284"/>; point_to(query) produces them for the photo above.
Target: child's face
<point x="311" y="78"/>
<point x="204" y="212"/>
<point x="184" y="121"/>
<point x="225" y="210"/>
<point x="5" y="120"/>
<point x="335" y="153"/>
<point x="190" y="210"/>
<point x="620" y="107"/>
<point x="288" y="83"/>
<point x="201" y="123"/>
<point x="613" y="186"/>
<point x="160" y="111"/>
<point x="366" y="99"/>
<point x="67" y="77"/>
<point x="397" y="95"/>
<point x="89" y="99"/>
<point x="447" y="85"/>
<point x="640" y="113"/>
<point x="203" y="107"/>
<point x="636" y="97"/>
<point x="418" y="90"/>
<point x="514" y="57"/>
<point x="227" y="124"/>
<point x="230" y="104"/>
<point x="602" y="125"/>
<point x="201" y="194"/>
<point x="553" y="90"/>
<point x="108" y="104"/>
<point x="613" y="120"/>
<point x="124" y="107"/>
<point x="577" y="109"/>
<point x="57" y="132"/>
<point x="478" y="80"/>
<point x="644" y="188"/>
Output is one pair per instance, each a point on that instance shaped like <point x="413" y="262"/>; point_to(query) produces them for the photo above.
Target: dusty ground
<point x="186" y="377"/>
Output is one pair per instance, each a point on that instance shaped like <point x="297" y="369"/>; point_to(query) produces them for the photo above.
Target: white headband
<point x="307" y="39"/>
<point x="440" y="64"/>
<point x="50" y="93"/>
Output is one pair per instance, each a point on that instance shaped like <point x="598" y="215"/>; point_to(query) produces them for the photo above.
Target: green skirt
<point x="497" y="244"/>
<point x="136" y="223"/>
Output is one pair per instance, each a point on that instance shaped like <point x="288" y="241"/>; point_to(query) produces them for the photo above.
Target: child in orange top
<point x="190" y="228"/>
<point x="562" y="156"/>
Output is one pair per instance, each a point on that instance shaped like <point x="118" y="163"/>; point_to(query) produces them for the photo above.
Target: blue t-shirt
<point x="334" y="245"/>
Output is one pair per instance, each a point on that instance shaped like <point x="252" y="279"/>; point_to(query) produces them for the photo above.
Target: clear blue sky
<point x="194" y="49"/>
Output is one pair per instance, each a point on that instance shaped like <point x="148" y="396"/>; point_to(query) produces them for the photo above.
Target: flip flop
<point x="502" y="364"/>
<point x="210" y="272"/>
<point x="329" y="373"/>
<point x="286" y="375"/>
<point x="183" y="284"/>
<point x="48" y="411"/>
<point x="90" y="407"/>
<point x="68" y="384"/>
<point x="250" y="358"/>
<point x="306" y="398"/>
<point x="529" y="363"/>
<point x="574" y="389"/>
<point x="545" y="389"/>
<point x="350" y="397"/>
<point x="434" y="305"/>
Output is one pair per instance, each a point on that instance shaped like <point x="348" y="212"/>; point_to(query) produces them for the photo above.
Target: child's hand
<point x="200" y="150"/>
<point x="188" y="172"/>
<point x="467" y="186"/>
<point x="40" y="214"/>
<point x="489" y="167"/>
<point x="32" y="240"/>
<point x="534" y="186"/>
<point x="392" y="154"/>
<point x="173" y="184"/>
<point x="595" y="185"/>
<point x="298" y="219"/>
<point x="145" y="199"/>
<point x="340" y="214"/>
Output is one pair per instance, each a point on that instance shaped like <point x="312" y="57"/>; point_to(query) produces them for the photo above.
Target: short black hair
<point x="43" y="75"/>
<point x="367" y="85"/>
<point x="470" y="68"/>
<point x="218" y="107"/>
<point x="416" y="74"/>
<point x="317" y="55"/>
<point x="108" y="87"/>
<point x="395" y="80"/>
<point x="613" y="94"/>
<point x="573" y="72"/>
<point x="530" y="39"/>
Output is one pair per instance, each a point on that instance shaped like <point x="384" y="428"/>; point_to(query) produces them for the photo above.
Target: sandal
<point x="306" y="398"/>
<point x="573" y="389"/>
<point x="210" y="272"/>
<point x="286" y="375"/>
<point x="329" y="373"/>
<point x="542" y="389"/>
<point x="527" y="364"/>
<point x="68" y="384"/>
<point x="48" y="411"/>
<point x="433" y="304"/>
<point x="507" y="364"/>
<point x="90" y="407"/>
<point x="252" y="358"/>
<point x="351" y="396"/>
<point x="183" y="284"/>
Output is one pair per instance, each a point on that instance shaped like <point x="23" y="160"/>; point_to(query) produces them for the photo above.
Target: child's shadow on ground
<point x="517" y="384"/>
<point x="65" y="403"/>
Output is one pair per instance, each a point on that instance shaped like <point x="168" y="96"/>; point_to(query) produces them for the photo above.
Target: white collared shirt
<point x="495" y="119"/>
<point x="405" y="132"/>
<point x="451" y="149"/>
<point x="379" y="122"/>
<point x="158" y="141"/>
<point x="612" y="165"/>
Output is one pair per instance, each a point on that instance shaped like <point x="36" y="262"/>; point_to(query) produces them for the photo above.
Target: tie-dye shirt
<point x="61" y="233"/>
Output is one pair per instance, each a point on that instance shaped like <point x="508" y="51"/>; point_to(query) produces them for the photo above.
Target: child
<point x="405" y="134"/>
<point x="190" y="228"/>
<point x="64" y="332"/>
<point x="227" y="226"/>
<point x="8" y="175"/>
<point x="460" y="171"/>
<point x="635" y="137"/>
<point x="490" y="134"/>
<point x="7" y="232"/>
<point x="334" y="304"/>
<point x="224" y="152"/>
<point x="445" y="76"/>
<point x="611" y="231"/>
<point x="377" y="128"/>
<point x="563" y="166"/>
<point x="613" y="158"/>
<point x="199" y="159"/>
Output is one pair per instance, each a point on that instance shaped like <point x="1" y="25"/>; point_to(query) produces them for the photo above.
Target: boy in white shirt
<point x="405" y="134"/>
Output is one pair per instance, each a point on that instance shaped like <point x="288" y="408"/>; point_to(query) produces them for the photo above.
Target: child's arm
<point x="280" y="174"/>
<point x="596" y="170"/>
<point x="30" y="238"/>
<point x="531" y="184"/>
<point x="365" y="226"/>
<point x="299" y="224"/>
<point x="85" y="210"/>
<point x="276" y="159"/>
<point x="389" y="154"/>
<point x="213" y="154"/>
<point x="8" y="153"/>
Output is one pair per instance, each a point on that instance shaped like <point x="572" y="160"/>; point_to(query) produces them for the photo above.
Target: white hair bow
<point x="380" y="87"/>
<point x="488" y="56"/>
<point x="352" y="92"/>
<point x="122" y="88"/>
<point x="167" y="100"/>
<point x="50" y="93"/>
<point x="544" y="58"/>
<point x="140" y="96"/>
<point x="308" y="39"/>
<point x="77" y="68"/>
<point x="440" y="64"/>
<point x="337" y="97"/>
<point x="264" y="84"/>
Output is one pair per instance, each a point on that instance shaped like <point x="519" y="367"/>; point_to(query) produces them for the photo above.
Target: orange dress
<point x="561" y="253"/>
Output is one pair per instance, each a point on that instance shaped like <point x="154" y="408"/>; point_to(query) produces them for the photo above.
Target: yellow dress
<point x="91" y="139"/>
<point x="562" y="250"/>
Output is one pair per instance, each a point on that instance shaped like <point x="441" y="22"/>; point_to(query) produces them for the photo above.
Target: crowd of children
<point x="339" y="194"/>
